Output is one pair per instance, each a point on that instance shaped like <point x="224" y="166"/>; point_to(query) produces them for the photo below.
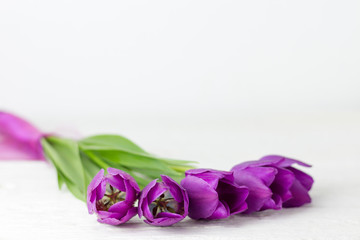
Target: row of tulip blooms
<point x="268" y="183"/>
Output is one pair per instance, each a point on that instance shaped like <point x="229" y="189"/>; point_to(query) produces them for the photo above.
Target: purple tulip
<point x="112" y="197"/>
<point x="163" y="204"/>
<point x="213" y="194"/>
<point x="273" y="183"/>
<point x="19" y="139"/>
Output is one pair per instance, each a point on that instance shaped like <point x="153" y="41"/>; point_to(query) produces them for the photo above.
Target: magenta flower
<point x="273" y="183"/>
<point x="213" y="194"/>
<point x="19" y="139"/>
<point x="163" y="204"/>
<point x="112" y="197"/>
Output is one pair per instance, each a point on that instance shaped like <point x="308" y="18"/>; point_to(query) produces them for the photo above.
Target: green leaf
<point x="64" y="154"/>
<point x="90" y="168"/>
<point x="173" y="162"/>
<point x="131" y="160"/>
<point x="130" y="153"/>
<point x="152" y="174"/>
<point x="110" y="142"/>
<point x="61" y="179"/>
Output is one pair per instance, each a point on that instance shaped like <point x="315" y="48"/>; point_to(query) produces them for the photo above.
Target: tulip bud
<point x="273" y="183"/>
<point x="213" y="194"/>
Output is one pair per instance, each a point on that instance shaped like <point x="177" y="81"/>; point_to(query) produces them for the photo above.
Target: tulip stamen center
<point x="111" y="197"/>
<point x="164" y="203"/>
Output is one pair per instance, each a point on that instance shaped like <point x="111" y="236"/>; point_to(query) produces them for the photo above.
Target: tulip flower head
<point x="273" y="183"/>
<point x="164" y="203"/>
<point x="213" y="194"/>
<point x="112" y="197"/>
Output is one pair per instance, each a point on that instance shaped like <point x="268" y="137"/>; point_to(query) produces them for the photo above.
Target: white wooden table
<point x="32" y="207"/>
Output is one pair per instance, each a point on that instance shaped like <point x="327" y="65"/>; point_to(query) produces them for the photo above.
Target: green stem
<point x="97" y="160"/>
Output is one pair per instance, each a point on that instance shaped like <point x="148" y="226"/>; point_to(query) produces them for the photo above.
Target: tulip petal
<point x="233" y="195"/>
<point x="202" y="197"/>
<point x="116" y="181"/>
<point x="125" y="176"/>
<point x="155" y="192"/>
<point x="116" y="218"/>
<point x="282" y="183"/>
<point x="109" y="218"/>
<point x="120" y="207"/>
<point x="143" y="201"/>
<point x="165" y="219"/>
<point x="300" y="196"/>
<point x="19" y="139"/>
<point x="222" y="211"/>
<point x="274" y="202"/>
<point x="306" y="180"/>
<point x="210" y="176"/>
<point x="174" y="188"/>
<point x="94" y="192"/>
<point x="258" y="180"/>
<point x="281" y="161"/>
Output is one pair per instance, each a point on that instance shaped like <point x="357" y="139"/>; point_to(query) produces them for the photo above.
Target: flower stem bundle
<point x="77" y="162"/>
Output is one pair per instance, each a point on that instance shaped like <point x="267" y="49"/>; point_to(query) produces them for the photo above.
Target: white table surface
<point x="32" y="207"/>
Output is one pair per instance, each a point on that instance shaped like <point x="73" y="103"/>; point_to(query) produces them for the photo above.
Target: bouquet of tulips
<point x="119" y="180"/>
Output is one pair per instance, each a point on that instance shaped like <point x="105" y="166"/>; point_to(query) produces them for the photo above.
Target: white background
<point x="219" y="82"/>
